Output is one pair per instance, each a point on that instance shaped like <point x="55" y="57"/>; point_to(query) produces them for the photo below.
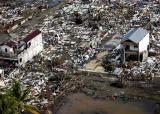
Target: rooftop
<point x="10" y="43"/>
<point x="135" y="35"/>
<point x="32" y="35"/>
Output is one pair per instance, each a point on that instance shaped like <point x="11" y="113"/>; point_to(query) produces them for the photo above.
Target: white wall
<point x="33" y="50"/>
<point x="10" y="50"/>
<point x="143" y="44"/>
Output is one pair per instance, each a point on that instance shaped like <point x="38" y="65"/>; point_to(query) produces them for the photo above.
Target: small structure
<point x="135" y="45"/>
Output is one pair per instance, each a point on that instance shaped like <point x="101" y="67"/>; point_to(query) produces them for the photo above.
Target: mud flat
<point x="79" y="103"/>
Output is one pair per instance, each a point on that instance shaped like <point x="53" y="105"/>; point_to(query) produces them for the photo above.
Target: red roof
<point x="31" y="35"/>
<point x="10" y="43"/>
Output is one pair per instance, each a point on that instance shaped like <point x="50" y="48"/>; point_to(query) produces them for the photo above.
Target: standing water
<point x="81" y="104"/>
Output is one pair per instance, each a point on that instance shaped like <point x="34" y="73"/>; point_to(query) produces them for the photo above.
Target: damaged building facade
<point x="19" y="52"/>
<point x="135" y="45"/>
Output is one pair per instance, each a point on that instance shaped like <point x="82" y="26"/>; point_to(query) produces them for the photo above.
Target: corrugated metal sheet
<point x="135" y="35"/>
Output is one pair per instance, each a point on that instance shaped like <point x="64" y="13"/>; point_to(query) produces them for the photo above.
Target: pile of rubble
<point x="11" y="16"/>
<point x="78" y="29"/>
<point x="132" y="70"/>
<point x="72" y="36"/>
<point x="44" y="86"/>
<point x="145" y="71"/>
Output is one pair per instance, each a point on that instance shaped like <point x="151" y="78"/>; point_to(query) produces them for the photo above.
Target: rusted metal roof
<point x="32" y="35"/>
<point x="10" y="43"/>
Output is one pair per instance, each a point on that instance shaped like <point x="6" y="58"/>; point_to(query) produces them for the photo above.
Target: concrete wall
<point x="145" y="55"/>
<point x="9" y="52"/>
<point x="35" y="47"/>
<point x="143" y="44"/>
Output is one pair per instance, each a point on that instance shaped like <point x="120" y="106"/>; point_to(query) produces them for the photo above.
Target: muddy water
<point x="81" y="104"/>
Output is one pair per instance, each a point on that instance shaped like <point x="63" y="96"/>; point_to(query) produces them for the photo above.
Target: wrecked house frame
<point x="135" y="45"/>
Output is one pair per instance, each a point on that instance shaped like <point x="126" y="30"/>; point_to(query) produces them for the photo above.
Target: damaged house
<point x="135" y="45"/>
<point x="22" y="51"/>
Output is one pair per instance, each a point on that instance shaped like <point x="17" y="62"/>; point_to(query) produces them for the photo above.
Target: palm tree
<point x="18" y="91"/>
<point x="21" y="94"/>
<point x="8" y="104"/>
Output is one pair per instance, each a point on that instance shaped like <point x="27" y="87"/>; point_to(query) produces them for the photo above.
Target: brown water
<point x="81" y="104"/>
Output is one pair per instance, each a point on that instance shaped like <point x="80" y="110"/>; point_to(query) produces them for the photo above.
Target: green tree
<point x="8" y="104"/>
<point x="21" y="94"/>
<point x="18" y="91"/>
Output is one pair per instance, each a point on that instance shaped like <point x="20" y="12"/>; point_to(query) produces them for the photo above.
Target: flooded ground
<point x="81" y="104"/>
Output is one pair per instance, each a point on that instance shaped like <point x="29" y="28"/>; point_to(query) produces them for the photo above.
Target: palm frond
<point x="31" y="109"/>
<point x="25" y="94"/>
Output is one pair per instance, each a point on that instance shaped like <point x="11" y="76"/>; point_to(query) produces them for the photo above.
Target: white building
<point x="135" y="44"/>
<point x="22" y="51"/>
<point x="34" y="45"/>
